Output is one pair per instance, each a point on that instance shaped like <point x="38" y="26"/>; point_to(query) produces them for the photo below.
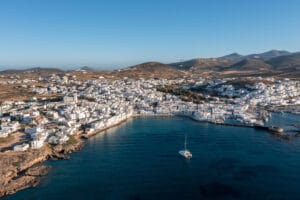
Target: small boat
<point x="276" y="129"/>
<point x="185" y="153"/>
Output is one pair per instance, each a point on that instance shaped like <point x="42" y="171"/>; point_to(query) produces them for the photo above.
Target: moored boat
<point x="185" y="153"/>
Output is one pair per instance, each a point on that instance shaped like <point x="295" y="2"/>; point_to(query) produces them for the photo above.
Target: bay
<point x="139" y="160"/>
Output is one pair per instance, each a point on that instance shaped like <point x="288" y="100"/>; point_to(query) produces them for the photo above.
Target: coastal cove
<point x="139" y="159"/>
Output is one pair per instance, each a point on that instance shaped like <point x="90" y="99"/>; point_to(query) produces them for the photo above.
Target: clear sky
<point x="118" y="33"/>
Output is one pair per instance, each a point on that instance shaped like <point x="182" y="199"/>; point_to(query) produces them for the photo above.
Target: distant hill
<point x="269" y="54"/>
<point x="36" y="70"/>
<point x="286" y="63"/>
<point x="85" y="68"/>
<point x="150" y="69"/>
<point x="266" y="63"/>
<point x="250" y="64"/>
<point x="270" y="60"/>
<point x="233" y="57"/>
<point x="202" y="64"/>
<point x="263" y="56"/>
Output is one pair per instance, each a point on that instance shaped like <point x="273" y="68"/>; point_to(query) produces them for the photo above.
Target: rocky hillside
<point x="249" y="64"/>
<point x="267" y="63"/>
<point x="151" y="70"/>
<point x="286" y="63"/>
<point x="203" y="64"/>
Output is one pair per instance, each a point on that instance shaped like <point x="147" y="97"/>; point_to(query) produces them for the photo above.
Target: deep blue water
<point x="139" y="160"/>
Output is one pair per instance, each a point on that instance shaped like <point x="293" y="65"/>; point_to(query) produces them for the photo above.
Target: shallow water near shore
<point x="139" y="160"/>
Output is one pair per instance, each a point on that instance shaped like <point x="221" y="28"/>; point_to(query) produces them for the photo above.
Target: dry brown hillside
<point x="150" y="70"/>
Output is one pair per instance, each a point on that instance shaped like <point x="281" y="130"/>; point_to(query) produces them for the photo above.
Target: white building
<point x="36" y="144"/>
<point x="21" y="147"/>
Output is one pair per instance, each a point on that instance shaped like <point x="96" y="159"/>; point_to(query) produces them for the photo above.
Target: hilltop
<point x="150" y="69"/>
<point x="233" y="57"/>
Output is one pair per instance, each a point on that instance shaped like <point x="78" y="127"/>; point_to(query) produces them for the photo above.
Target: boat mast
<point x="185" y="142"/>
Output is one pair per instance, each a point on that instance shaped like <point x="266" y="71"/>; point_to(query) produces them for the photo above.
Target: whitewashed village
<point x="88" y="107"/>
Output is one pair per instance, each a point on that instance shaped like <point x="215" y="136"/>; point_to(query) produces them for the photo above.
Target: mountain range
<point x="270" y="62"/>
<point x="263" y="61"/>
<point x="263" y="56"/>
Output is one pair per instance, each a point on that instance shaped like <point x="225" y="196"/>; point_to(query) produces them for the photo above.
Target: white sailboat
<point x="185" y="153"/>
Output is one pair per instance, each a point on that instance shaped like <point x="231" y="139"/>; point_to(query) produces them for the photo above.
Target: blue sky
<point x="118" y="33"/>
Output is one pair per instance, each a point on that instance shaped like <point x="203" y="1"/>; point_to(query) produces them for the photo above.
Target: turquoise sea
<point x="139" y="160"/>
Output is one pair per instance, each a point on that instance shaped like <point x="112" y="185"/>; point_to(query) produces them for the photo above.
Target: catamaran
<point x="185" y="153"/>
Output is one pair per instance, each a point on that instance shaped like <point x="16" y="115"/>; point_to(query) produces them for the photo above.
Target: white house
<point x="3" y="134"/>
<point x="36" y="144"/>
<point x="21" y="147"/>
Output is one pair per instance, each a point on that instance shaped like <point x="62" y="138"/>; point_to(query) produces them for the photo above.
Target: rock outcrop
<point x="20" y="170"/>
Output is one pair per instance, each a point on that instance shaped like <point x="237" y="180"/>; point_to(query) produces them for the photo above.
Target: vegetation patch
<point x="72" y="140"/>
<point x="21" y="159"/>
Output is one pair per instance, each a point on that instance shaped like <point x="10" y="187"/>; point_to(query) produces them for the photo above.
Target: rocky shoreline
<point x="21" y="170"/>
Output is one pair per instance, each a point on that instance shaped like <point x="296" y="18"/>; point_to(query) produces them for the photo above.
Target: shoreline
<point x="26" y="168"/>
